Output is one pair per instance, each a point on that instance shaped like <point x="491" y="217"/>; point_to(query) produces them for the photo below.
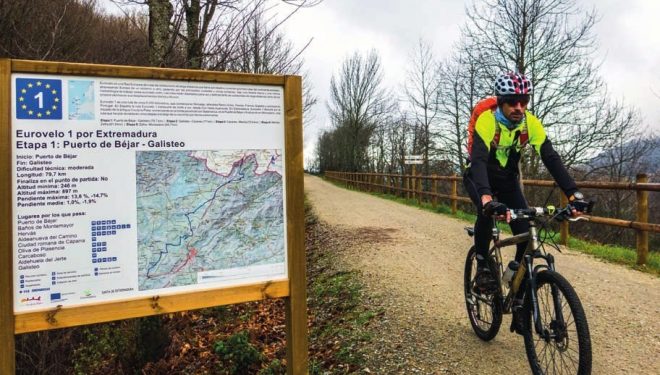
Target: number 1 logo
<point x="38" y="99"/>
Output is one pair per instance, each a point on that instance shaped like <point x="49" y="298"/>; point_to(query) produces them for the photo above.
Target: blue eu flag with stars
<point x="38" y="99"/>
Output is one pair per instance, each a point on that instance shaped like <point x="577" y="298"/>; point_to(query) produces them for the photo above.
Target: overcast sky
<point x="628" y="35"/>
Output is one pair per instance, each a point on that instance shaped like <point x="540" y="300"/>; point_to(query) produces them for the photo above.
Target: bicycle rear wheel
<point x="564" y="346"/>
<point x="484" y="311"/>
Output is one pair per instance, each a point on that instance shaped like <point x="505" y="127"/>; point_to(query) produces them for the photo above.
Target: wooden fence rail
<point x="411" y="186"/>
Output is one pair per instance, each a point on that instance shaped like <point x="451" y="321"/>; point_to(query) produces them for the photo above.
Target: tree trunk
<point x="195" y="43"/>
<point x="160" y="13"/>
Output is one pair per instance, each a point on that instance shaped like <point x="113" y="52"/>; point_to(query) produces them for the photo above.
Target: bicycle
<point x="546" y="309"/>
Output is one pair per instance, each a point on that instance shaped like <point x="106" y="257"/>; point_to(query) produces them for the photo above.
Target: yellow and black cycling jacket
<point x="495" y="167"/>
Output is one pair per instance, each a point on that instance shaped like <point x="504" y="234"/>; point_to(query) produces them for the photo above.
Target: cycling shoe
<point x="484" y="282"/>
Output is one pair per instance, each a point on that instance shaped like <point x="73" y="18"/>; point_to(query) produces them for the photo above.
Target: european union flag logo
<point x="38" y="99"/>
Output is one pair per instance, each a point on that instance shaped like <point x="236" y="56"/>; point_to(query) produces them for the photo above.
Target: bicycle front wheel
<point x="564" y="345"/>
<point x="484" y="311"/>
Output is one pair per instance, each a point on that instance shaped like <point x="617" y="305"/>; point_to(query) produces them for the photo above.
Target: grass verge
<point x="339" y="315"/>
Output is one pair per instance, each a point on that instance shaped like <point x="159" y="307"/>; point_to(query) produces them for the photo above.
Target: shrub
<point x="238" y="353"/>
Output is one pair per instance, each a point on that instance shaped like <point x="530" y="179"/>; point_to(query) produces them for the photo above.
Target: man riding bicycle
<point x="492" y="178"/>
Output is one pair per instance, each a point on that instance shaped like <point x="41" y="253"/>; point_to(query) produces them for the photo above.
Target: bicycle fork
<point x="531" y="286"/>
<point x="557" y="330"/>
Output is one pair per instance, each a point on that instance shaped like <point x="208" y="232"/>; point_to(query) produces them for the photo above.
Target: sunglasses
<point x="514" y="100"/>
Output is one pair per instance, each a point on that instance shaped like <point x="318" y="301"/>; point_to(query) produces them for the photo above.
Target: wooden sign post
<point x="7" y="355"/>
<point x="108" y="149"/>
<point x="414" y="160"/>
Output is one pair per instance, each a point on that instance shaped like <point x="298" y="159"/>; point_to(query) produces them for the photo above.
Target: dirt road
<point x="415" y="264"/>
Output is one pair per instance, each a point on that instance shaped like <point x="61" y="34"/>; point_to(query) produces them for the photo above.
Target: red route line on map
<point x="191" y="254"/>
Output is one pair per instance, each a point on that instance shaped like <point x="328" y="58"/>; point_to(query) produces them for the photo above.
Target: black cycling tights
<point x="513" y="198"/>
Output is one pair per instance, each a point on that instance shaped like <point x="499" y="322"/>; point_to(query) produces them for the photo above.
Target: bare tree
<point x="357" y="103"/>
<point x="462" y="86"/>
<point x="70" y="30"/>
<point x="552" y="42"/>
<point x="263" y="48"/>
<point x="206" y="30"/>
<point x="398" y="135"/>
<point x="422" y="90"/>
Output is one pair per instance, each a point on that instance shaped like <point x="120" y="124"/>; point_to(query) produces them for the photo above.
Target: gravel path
<point x="416" y="268"/>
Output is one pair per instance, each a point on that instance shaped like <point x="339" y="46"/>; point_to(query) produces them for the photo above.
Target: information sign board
<point x="135" y="187"/>
<point x="134" y="191"/>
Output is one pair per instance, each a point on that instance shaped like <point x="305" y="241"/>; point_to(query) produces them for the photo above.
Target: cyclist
<point x="492" y="178"/>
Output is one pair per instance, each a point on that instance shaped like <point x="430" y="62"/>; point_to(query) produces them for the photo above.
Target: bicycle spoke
<point x="544" y="352"/>
<point x="545" y="356"/>
<point x="572" y="362"/>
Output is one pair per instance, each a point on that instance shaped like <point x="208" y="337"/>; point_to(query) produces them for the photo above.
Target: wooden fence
<point x="411" y="186"/>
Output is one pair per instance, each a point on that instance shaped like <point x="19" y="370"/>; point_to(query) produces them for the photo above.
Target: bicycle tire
<point x="484" y="313"/>
<point x="552" y="356"/>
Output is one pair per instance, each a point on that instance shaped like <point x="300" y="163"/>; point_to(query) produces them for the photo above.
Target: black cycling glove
<point x="495" y="208"/>
<point x="580" y="204"/>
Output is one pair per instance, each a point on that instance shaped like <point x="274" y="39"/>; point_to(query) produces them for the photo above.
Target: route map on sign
<point x="204" y="211"/>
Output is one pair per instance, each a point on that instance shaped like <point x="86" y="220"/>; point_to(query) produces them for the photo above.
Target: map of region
<point x="81" y="100"/>
<point x="204" y="211"/>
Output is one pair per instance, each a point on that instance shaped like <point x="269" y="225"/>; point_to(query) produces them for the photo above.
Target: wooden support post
<point x="296" y="304"/>
<point x="454" y="196"/>
<point x="406" y="193"/>
<point x="563" y="227"/>
<point x="435" y="191"/>
<point x="414" y="183"/>
<point x="7" y="348"/>
<point x="642" y="217"/>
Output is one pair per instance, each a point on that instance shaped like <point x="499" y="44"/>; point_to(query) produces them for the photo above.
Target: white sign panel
<point x="414" y="159"/>
<point x="126" y="188"/>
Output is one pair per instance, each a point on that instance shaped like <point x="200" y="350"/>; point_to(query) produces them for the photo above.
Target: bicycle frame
<point x="525" y="268"/>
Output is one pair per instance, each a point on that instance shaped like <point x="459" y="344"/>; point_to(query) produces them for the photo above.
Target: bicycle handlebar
<point x="557" y="213"/>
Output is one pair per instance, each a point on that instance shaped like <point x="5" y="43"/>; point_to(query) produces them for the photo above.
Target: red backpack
<point x="489" y="103"/>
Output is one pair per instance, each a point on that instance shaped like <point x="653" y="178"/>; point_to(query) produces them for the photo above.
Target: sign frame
<point x="292" y="289"/>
